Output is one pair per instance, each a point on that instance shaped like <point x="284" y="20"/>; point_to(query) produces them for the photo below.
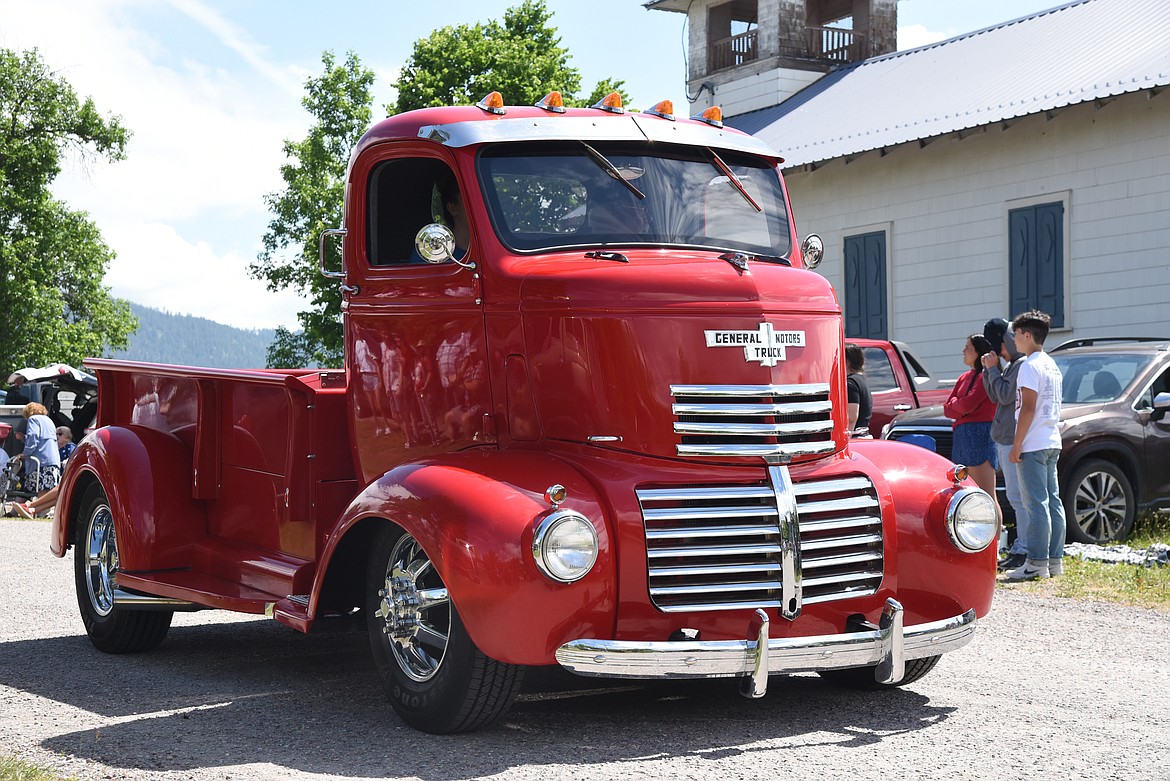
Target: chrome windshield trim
<point x="628" y="127"/>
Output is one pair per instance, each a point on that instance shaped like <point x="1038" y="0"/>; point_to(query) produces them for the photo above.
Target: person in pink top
<point x="973" y="412"/>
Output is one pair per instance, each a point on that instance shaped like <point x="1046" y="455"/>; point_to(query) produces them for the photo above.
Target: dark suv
<point x="1116" y="433"/>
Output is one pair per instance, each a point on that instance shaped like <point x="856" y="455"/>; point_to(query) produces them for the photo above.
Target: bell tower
<point x="745" y="55"/>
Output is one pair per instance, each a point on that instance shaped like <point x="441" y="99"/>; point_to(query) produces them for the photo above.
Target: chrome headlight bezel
<point x="553" y="526"/>
<point x="969" y="532"/>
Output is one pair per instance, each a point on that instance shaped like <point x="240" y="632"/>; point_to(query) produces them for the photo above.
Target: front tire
<point x="111" y="629"/>
<point x="1099" y="503"/>
<point x="863" y="677"/>
<point x="435" y="677"/>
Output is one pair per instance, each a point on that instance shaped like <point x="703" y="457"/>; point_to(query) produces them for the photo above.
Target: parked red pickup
<point x="898" y="381"/>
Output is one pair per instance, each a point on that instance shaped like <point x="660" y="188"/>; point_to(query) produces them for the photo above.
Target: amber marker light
<point x="492" y="103"/>
<point x="611" y="103"/>
<point x="552" y="102"/>
<point x="957" y="473"/>
<point x="712" y="116"/>
<point x="663" y="108"/>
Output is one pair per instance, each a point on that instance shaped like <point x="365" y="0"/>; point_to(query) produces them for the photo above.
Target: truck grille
<point x="753" y="420"/>
<point x="720" y="547"/>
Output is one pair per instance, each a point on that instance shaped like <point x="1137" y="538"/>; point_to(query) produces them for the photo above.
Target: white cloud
<point x="914" y="35"/>
<point x="156" y="264"/>
<point x="205" y="147"/>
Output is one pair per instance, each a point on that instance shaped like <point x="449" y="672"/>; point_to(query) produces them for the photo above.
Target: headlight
<point x="971" y="520"/>
<point x="564" y="545"/>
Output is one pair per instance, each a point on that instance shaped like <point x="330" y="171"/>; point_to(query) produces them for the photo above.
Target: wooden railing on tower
<point x="835" y="44"/>
<point x="736" y="50"/>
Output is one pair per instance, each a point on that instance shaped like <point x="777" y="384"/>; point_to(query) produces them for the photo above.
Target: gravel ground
<point x="1049" y="688"/>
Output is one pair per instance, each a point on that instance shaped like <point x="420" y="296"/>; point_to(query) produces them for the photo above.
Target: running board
<point x="132" y="600"/>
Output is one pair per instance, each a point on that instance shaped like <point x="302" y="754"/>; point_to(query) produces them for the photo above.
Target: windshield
<point x="571" y="194"/>
<point x="1097" y="377"/>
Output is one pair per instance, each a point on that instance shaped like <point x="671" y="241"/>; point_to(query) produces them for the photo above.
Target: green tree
<point x="521" y="58"/>
<point x="53" y="305"/>
<point x="312" y="200"/>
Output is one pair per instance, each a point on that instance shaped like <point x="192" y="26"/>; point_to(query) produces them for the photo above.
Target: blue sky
<point x="211" y="88"/>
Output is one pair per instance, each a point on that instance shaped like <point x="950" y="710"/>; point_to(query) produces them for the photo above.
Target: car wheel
<point x="1098" y="503"/>
<point x="436" y="678"/>
<point x="111" y="628"/>
<point x="863" y="677"/>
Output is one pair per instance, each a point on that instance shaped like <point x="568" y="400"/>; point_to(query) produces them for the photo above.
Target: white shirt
<point x="1040" y="373"/>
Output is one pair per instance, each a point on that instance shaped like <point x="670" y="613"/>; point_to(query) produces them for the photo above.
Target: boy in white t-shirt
<point x="1037" y="448"/>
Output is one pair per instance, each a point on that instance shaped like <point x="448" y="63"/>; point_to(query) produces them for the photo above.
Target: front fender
<point x="474" y="514"/>
<point x="146" y="475"/>
<point x="935" y="577"/>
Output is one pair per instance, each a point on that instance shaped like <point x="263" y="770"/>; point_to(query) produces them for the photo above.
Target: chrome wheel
<point x="415" y="611"/>
<point x="102" y="558"/>
<point x="1099" y="503"/>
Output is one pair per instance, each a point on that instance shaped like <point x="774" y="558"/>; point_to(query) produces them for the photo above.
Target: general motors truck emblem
<point x="766" y="345"/>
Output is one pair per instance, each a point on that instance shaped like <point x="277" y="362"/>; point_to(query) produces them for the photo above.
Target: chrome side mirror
<point x="435" y="243"/>
<point x="812" y="251"/>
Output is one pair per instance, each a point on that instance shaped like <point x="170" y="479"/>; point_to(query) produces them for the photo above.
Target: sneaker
<point x="1033" y="569"/>
<point x="1055" y="567"/>
<point x="1011" y="561"/>
<point x="23" y="511"/>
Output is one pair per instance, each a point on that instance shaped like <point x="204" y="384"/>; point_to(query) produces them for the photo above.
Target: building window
<point x="732" y="34"/>
<point x="865" y="286"/>
<point x="1036" y="260"/>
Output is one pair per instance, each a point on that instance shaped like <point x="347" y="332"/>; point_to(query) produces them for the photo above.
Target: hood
<point x="686" y="356"/>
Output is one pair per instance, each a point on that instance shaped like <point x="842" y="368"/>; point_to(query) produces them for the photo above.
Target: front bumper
<point x="885" y="647"/>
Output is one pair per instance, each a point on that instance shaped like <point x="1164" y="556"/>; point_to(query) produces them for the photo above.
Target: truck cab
<point x="592" y="414"/>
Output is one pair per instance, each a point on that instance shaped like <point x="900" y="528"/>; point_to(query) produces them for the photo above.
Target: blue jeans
<point x="1011" y="487"/>
<point x="1044" y="511"/>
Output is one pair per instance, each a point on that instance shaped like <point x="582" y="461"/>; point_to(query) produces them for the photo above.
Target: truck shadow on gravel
<point x="218" y="695"/>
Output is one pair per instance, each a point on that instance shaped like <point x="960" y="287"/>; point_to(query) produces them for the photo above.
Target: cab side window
<point x="401" y="199"/>
<point x="879" y="375"/>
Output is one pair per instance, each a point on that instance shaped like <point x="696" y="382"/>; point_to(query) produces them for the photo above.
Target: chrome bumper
<point x="885" y="647"/>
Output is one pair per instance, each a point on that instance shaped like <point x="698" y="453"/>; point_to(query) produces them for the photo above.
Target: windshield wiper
<point x="732" y="179"/>
<point x="611" y="169"/>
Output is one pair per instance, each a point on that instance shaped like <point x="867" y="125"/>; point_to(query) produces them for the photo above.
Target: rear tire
<point x="862" y="677"/>
<point x="1099" y="505"/>
<point x="111" y="629"/>
<point x="435" y="677"/>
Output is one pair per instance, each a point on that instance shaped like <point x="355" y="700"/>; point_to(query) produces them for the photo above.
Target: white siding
<point x="742" y="94"/>
<point x="947" y="207"/>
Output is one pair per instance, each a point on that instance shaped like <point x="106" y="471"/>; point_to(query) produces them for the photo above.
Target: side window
<point x="1036" y="259"/>
<point x="879" y="375"/>
<point x="403" y="196"/>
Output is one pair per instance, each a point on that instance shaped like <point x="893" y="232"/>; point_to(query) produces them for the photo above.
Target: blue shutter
<point x="865" y="286"/>
<point x="1036" y="260"/>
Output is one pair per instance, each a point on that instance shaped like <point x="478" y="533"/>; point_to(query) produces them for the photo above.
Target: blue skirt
<point x="973" y="445"/>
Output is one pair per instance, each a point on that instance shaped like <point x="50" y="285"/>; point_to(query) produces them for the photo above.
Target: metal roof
<point x="1081" y="51"/>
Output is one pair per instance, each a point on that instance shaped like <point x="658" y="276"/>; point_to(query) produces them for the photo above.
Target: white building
<point x="1025" y="165"/>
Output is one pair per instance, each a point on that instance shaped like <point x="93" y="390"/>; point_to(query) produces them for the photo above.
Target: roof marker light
<point x="552" y="102"/>
<point x="611" y="103"/>
<point x="663" y="108"/>
<point x="712" y="116"/>
<point x="492" y="103"/>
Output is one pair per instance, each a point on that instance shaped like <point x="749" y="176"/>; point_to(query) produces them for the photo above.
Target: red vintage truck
<point x="592" y="415"/>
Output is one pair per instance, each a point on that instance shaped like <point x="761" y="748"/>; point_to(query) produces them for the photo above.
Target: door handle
<point x="902" y="407"/>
